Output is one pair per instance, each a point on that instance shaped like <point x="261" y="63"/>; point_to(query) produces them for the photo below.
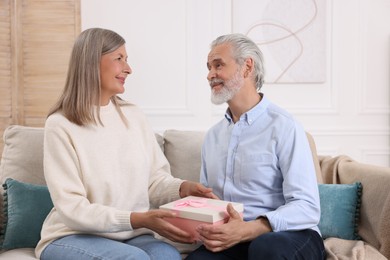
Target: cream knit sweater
<point x="98" y="175"/>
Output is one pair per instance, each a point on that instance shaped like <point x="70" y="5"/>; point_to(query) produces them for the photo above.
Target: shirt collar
<point x="250" y="116"/>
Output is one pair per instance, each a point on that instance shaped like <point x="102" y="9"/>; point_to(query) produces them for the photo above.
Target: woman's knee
<point x="162" y="251"/>
<point x="155" y="248"/>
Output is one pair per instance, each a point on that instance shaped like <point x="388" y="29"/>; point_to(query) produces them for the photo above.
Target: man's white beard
<point x="228" y="90"/>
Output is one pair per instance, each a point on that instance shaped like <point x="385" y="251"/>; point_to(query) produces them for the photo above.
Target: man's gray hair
<point x="244" y="48"/>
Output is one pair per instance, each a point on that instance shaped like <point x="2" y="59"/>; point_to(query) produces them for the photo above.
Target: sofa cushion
<point x="22" y="157"/>
<point x="160" y="141"/>
<point x="185" y="146"/>
<point x="314" y="155"/>
<point x="340" y="210"/>
<point x="183" y="149"/>
<point x="25" y="208"/>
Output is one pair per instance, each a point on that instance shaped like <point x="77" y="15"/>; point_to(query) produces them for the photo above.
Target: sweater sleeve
<point x="62" y="174"/>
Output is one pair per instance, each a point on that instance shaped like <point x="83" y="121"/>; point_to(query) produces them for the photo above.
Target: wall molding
<point x="364" y="107"/>
<point x="342" y="132"/>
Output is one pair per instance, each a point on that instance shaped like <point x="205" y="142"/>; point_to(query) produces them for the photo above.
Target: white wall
<point x="168" y="42"/>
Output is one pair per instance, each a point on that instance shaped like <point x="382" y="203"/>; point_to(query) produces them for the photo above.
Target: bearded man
<point x="259" y="155"/>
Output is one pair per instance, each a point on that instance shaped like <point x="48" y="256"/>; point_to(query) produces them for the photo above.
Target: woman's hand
<point x="188" y="188"/>
<point x="154" y="220"/>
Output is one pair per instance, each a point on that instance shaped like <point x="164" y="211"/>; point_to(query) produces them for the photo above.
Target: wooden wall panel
<point x="36" y="38"/>
<point x="5" y="67"/>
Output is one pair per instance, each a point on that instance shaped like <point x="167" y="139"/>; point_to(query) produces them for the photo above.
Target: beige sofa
<point x="22" y="160"/>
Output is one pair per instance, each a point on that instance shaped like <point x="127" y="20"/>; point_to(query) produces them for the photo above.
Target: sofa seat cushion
<point x="19" y="254"/>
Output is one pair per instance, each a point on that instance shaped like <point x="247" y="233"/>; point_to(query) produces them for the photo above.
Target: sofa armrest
<point x="374" y="227"/>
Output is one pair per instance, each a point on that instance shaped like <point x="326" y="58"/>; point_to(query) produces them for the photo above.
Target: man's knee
<point x="287" y="245"/>
<point x="266" y="246"/>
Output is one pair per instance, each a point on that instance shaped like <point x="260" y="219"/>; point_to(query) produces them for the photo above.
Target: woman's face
<point x="113" y="72"/>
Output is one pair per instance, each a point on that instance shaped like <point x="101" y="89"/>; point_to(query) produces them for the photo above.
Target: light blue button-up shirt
<point x="263" y="161"/>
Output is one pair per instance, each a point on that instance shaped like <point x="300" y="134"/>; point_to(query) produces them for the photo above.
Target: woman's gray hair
<point x="81" y="94"/>
<point x="244" y="48"/>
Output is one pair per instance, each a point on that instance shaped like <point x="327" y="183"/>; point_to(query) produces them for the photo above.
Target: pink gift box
<point x="193" y="211"/>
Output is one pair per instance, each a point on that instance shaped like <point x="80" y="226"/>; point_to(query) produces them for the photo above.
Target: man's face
<point x="224" y="75"/>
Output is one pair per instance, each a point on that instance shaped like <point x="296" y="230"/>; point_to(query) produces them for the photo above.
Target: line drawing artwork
<point x="291" y="35"/>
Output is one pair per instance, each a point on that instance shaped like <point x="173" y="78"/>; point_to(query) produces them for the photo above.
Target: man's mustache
<point x="214" y="82"/>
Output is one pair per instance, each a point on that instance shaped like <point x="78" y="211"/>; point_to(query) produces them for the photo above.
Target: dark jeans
<point x="305" y="244"/>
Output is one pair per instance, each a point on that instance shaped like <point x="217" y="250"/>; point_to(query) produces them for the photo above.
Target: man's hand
<point x="188" y="188"/>
<point x="236" y="230"/>
<point x="154" y="220"/>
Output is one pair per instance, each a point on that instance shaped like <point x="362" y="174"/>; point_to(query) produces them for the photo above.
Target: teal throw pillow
<point x="25" y="208"/>
<point x="340" y="210"/>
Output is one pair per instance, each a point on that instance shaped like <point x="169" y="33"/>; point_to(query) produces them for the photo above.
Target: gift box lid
<point x="201" y="209"/>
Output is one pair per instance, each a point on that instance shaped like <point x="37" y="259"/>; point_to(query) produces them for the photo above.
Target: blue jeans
<point x="305" y="244"/>
<point x="89" y="247"/>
